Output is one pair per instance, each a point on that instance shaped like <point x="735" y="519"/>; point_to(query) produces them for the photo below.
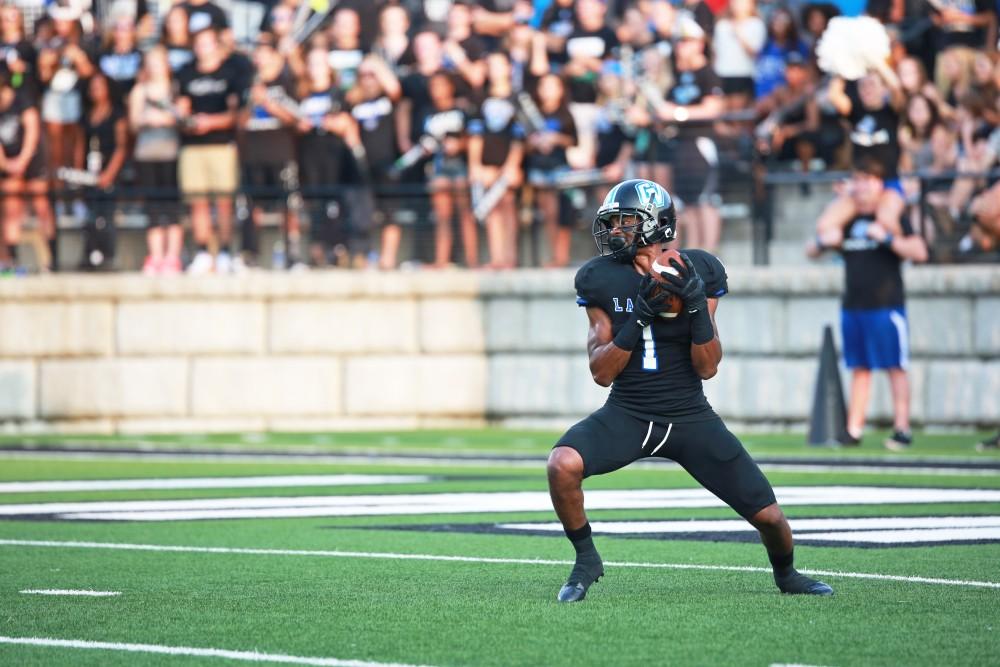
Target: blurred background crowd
<point x="370" y="133"/>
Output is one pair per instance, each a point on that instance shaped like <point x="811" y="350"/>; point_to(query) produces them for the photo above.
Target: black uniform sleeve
<point x="587" y="292"/>
<point x="711" y="271"/>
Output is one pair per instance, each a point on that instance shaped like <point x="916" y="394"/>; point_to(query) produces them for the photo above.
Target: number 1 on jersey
<point x="649" y="350"/>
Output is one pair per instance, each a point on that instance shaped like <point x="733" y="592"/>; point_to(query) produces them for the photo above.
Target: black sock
<point x="581" y="539"/>
<point x="782" y="563"/>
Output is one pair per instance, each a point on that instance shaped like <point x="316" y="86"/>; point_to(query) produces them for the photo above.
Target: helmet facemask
<point x="619" y="233"/>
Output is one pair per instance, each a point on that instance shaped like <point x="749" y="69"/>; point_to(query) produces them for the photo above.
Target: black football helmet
<point x="653" y="218"/>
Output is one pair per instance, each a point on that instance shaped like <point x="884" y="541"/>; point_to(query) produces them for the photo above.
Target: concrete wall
<point x="351" y="350"/>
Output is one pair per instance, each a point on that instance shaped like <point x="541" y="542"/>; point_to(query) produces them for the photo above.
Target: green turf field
<point x="315" y="567"/>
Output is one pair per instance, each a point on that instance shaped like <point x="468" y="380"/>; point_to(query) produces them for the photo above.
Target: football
<point x="662" y="264"/>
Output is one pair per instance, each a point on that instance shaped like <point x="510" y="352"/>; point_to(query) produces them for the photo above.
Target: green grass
<point x="459" y="613"/>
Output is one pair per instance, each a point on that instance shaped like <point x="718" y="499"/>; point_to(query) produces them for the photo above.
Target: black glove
<point x="689" y="286"/>
<point x="646" y="307"/>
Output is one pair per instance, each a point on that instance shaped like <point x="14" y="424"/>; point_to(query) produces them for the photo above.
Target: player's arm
<point x="606" y="359"/>
<point x="706" y="357"/>
<point x="610" y="352"/>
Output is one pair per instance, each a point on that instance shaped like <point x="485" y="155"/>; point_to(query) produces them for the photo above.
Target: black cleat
<point x="899" y="442"/>
<point x="799" y="584"/>
<point x="585" y="573"/>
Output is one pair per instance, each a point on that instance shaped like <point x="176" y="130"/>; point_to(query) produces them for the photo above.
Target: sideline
<point x="246" y="656"/>
<point x="479" y="559"/>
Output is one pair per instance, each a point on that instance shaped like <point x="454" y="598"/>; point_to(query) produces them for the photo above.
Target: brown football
<point x="662" y="264"/>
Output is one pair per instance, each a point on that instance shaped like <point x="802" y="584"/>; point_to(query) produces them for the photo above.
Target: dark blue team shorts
<point x="876" y="339"/>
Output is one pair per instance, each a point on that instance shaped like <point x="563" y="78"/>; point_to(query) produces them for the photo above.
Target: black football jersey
<point x="659" y="382"/>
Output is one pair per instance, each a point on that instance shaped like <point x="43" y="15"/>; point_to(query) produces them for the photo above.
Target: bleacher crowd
<point x="349" y="120"/>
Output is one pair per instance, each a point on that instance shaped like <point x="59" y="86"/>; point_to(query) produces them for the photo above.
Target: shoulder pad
<point x="712" y="271"/>
<point x="588" y="283"/>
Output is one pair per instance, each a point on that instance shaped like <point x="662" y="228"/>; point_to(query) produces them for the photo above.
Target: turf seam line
<point x="125" y="546"/>
<point x="195" y="652"/>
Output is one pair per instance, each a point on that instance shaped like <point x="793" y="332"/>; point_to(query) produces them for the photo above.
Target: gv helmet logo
<point x="651" y="193"/>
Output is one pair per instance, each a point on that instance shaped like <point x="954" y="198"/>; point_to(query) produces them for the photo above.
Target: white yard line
<point x="190" y="651"/>
<point x="60" y="591"/>
<point x="262" y="481"/>
<point x="476" y="559"/>
<point x="273" y="507"/>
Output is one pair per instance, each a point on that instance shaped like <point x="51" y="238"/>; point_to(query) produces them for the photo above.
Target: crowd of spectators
<point x="502" y="113"/>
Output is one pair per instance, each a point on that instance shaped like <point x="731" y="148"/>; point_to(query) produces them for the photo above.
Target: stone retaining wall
<point x="352" y="350"/>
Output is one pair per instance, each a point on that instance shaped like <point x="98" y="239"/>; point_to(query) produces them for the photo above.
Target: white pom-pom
<point x="851" y="45"/>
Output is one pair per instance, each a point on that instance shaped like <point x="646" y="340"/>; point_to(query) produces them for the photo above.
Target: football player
<point x="655" y="365"/>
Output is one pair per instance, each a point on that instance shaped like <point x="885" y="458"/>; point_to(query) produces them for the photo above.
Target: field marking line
<point x="63" y="591"/>
<point x="235" y="482"/>
<point x="125" y="546"/>
<point x="190" y="651"/>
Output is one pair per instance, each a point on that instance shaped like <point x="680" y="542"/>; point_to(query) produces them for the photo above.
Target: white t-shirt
<point x="731" y="59"/>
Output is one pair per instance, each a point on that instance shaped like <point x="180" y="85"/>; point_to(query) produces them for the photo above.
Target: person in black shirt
<point x="267" y="149"/>
<point x="655" y="362"/>
<point x="558" y="22"/>
<point x="280" y="21"/>
<point x="545" y="162"/>
<point x="23" y="170"/>
<point x="106" y="142"/>
<point x="346" y="52"/>
<point x="873" y="113"/>
<point x="393" y="42"/>
<point x="120" y="60"/>
<point x="17" y="54"/>
<point x="873" y="315"/>
<point x="415" y="103"/>
<point x="464" y="53"/>
<point x="324" y="127"/>
<point x="448" y="171"/>
<point x="496" y="150"/>
<point x="587" y="47"/>
<point x="615" y="125"/>
<point x="372" y="102"/>
<point x="176" y="39"/>
<point x="696" y="97"/>
<point x="210" y="90"/>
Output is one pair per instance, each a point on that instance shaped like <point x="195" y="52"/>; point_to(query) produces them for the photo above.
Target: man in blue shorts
<point x="873" y="312"/>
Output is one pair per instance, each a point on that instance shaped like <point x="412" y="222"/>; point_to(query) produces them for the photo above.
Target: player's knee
<point x="565" y="464"/>
<point x="769" y="517"/>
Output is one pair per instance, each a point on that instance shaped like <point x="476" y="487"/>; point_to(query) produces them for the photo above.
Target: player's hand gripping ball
<point x="673" y="303"/>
